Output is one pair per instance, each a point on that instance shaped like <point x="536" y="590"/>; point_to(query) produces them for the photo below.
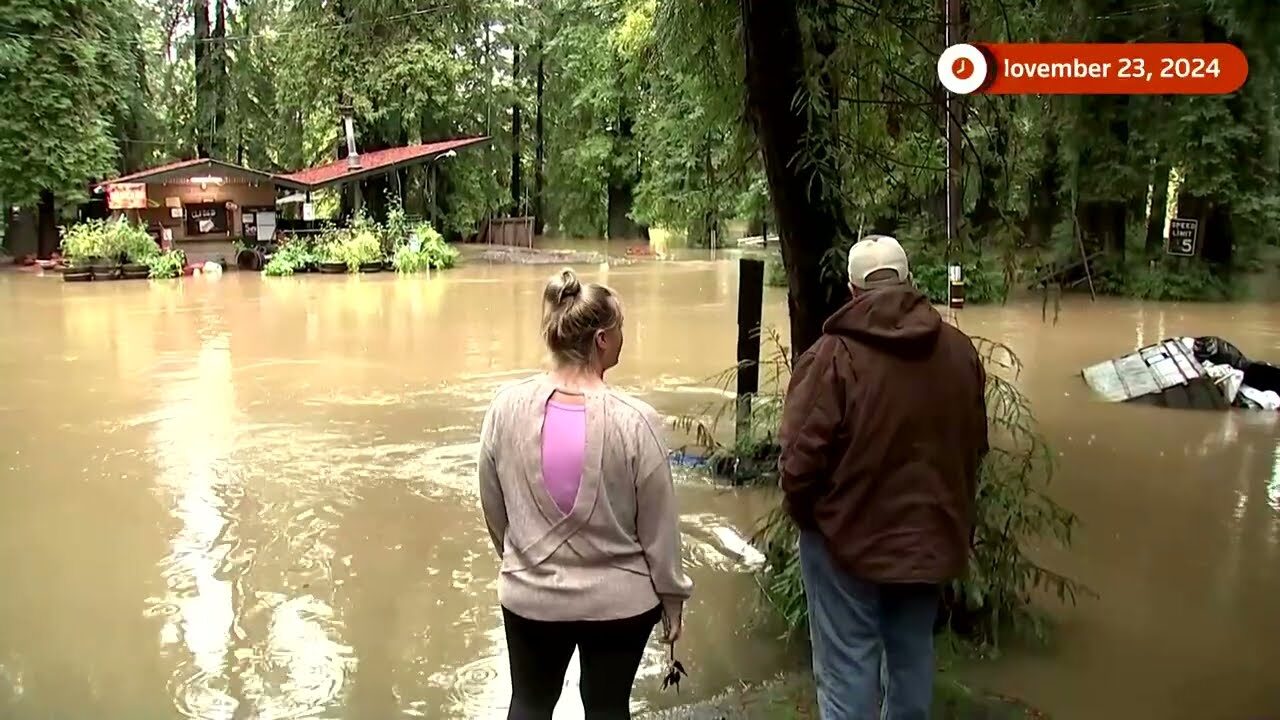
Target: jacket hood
<point x="898" y="319"/>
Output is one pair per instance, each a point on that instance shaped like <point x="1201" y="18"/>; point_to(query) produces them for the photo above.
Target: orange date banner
<point x="1104" y="68"/>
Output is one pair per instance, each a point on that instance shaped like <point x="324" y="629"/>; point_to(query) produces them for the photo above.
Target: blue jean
<point x="868" y="639"/>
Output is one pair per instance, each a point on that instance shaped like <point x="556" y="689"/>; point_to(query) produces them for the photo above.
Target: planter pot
<point x="77" y="274"/>
<point x="332" y="268"/>
<point x="389" y="266"/>
<point x="134" y="271"/>
<point x="250" y="259"/>
<point x="104" y="271"/>
<point x="371" y="267"/>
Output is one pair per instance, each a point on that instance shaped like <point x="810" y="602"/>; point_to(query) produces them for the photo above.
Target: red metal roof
<point x="175" y="170"/>
<point x="376" y="161"/>
<point x="144" y="174"/>
<point x="371" y="163"/>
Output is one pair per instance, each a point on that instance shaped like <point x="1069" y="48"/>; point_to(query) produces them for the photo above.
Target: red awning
<point x="376" y="162"/>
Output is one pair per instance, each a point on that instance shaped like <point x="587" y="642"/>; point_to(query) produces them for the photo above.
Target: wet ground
<point x="253" y="498"/>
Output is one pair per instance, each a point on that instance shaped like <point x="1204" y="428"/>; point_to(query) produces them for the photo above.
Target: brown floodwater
<point x="252" y="497"/>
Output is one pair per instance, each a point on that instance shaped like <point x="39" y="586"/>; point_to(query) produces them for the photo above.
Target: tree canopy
<point x="820" y="118"/>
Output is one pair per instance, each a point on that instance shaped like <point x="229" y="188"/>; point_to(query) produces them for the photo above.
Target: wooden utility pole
<point x="953" y="109"/>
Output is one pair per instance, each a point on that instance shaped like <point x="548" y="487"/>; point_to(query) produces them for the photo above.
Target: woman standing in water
<point x="577" y="494"/>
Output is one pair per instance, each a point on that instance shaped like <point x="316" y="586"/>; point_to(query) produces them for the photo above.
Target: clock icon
<point x="962" y="69"/>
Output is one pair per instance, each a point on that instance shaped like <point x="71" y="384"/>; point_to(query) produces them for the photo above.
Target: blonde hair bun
<point x="572" y="315"/>
<point x="564" y="286"/>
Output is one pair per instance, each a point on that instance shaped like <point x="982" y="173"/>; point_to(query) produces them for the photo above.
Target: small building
<point x="204" y="206"/>
<point x="200" y="206"/>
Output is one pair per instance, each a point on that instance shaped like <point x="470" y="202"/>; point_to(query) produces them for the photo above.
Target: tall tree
<point x="67" y="68"/>
<point x="540" y="140"/>
<point x="517" y="188"/>
<point x="809" y="215"/>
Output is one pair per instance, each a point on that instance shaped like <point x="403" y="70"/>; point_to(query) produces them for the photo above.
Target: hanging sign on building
<point x="127" y="196"/>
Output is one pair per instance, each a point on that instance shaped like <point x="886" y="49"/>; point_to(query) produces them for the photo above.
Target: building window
<point x="207" y="219"/>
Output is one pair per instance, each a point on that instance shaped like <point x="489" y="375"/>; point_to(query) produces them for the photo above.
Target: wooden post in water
<point x="750" y="309"/>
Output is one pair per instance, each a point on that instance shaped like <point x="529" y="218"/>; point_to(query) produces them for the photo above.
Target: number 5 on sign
<point x="1182" y="237"/>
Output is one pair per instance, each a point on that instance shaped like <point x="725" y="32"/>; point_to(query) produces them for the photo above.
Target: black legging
<point x="609" y="654"/>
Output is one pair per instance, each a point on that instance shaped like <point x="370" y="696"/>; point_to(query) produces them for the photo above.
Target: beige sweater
<point x="617" y="553"/>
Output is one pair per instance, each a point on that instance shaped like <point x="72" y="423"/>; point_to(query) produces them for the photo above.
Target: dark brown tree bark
<point x="46" y="226"/>
<point x="809" y="218"/>
<point x="204" y="113"/>
<point x="540" y="156"/>
<point x="623" y="179"/>
<point x="517" y="189"/>
<point x="218" y="83"/>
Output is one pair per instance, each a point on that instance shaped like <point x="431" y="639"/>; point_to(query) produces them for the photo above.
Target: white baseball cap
<point x="874" y="253"/>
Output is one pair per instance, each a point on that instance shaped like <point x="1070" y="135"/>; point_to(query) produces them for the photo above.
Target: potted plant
<point x="139" y="248"/>
<point x="165" y="265"/>
<point x="330" y="254"/>
<point x="362" y="248"/>
<point x="80" y="245"/>
<point x="113" y="239"/>
<point x="441" y="254"/>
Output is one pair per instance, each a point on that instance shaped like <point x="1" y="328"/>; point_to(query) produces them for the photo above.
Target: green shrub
<point x="137" y="244"/>
<point x="1161" y="278"/>
<point x="1013" y="509"/>
<point x="408" y="260"/>
<point x="83" y="241"/>
<point x="166" y="265"/>
<point x="290" y="257"/>
<point x="279" y="265"/>
<point x="775" y="274"/>
<point x="440" y="254"/>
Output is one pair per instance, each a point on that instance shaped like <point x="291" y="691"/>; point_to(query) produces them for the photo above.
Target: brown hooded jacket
<point x="884" y="429"/>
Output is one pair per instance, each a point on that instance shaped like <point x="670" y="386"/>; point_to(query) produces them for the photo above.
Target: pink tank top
<point x="564" y="444"/>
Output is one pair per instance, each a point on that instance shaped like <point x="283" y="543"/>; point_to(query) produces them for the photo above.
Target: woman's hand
<point x="671" y="628"/>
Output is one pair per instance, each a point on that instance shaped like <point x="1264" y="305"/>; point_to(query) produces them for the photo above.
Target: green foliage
<point x="83" y="241"/>
<point x="408" y="260"/>
<point x="71" y="89"/>
<point x="1163" y="278"/>
<point x="352" y="247"/>
<point x="135" y="242"/>
<point x="440" y="254"/>
<point x="1013" y="509"/>
<point x="279" y="266"/>
<point x="424" y="250"/>
<point x="109" y="240"/>
<point x="168" y="264"/>
<point x="775" y="274"/>
<point x="291" y="257"/>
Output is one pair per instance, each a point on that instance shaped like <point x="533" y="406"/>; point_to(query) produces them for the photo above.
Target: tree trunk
<point x="622" y="179"/>
<point x="47" y="226"/>
<point x="540" y="157"/>
<point x="1044" y="209"/>
<point x="809" y="218"/>
<point x="204" y="112"/>
<point x="517" y="191"/>
<point x="1159" y="209"/>
<point x="20" y="233"/>
<point x="219" y="89"/>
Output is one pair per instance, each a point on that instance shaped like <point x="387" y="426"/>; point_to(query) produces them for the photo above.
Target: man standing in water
<point x="884" y="428"/>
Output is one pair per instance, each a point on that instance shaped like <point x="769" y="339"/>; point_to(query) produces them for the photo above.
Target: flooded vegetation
<point x="253" y="497"/>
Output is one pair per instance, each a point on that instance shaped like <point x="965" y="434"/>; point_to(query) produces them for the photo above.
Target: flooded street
<point x="254" y="498"/>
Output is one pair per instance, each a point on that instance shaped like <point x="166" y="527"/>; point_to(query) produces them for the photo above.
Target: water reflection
<point x="254" y="498"/>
